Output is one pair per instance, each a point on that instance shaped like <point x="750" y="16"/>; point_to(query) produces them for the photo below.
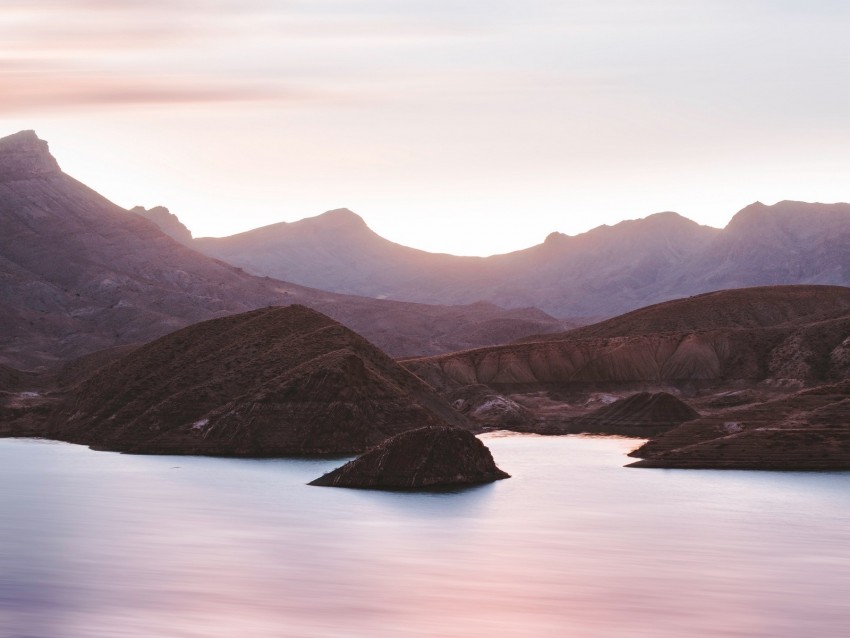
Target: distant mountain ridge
<point x="604" y="272"/>
<point x="79" y="274"/>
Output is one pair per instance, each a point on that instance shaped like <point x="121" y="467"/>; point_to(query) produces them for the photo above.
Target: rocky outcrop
<point x="641" y="414"/>
<point x="809" y="430"/>
<point x="488" y="408"/>
<point x="23" y="156"/>
<point x="271" y="382"/>
<point x="432" y="457"/>
<point x="167" y="222"/>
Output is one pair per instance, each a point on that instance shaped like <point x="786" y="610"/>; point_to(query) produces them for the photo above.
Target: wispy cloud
<point x="101" y="52"/>
<point x="39" y="89"/>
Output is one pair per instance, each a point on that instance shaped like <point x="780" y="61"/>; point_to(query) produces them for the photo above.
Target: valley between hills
<point x="725" y="348"/>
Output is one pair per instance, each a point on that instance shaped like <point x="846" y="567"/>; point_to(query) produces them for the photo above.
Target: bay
<point x="96" y="544"/>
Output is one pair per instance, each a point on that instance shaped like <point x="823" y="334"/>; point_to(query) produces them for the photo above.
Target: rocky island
<point x="429" y="457"/>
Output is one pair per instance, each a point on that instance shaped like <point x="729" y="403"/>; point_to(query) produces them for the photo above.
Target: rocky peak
<point x="749" y="218"/>
<point x="429" y="457"/>
<point x="25" y="156"/>
<point x="167" y="221"/>
<point x="339" y="219"/>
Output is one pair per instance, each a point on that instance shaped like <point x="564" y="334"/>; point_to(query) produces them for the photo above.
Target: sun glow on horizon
<point x="469" y="129"/>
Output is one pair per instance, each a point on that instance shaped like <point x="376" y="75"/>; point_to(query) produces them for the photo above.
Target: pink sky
<point x="464" y="126"/>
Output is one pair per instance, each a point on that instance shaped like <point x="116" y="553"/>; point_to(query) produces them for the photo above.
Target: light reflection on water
<point x="94" y="544"/>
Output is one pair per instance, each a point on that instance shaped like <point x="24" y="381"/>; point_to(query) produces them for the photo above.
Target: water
<point x="95" y="544"/>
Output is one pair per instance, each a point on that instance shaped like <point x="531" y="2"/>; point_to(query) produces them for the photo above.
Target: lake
<point x="96" y="544"/>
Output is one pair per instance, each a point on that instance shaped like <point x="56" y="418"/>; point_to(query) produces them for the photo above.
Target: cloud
<point x="31" y="86"/>
<point x="63" y="53"/>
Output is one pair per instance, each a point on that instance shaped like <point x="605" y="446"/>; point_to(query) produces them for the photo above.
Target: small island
<point x="429" y="457"/>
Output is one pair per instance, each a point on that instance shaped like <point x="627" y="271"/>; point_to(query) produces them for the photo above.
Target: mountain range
<point x="604" y="272"/>
<point x="79" y="274"/>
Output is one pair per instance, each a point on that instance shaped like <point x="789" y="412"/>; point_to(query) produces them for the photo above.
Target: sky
<point x="464" y="126"/>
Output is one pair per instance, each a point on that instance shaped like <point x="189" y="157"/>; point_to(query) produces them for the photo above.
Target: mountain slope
<point x="799" y="333"/>
<point x="78" y="274"/>
<point x="566" y="276"/>
<point x="757" y="307"/>
<point x="268" y="382"/>
<point x="809" y="430"/>
<point x="604" y="272"/>
<point x="790" y="242"/>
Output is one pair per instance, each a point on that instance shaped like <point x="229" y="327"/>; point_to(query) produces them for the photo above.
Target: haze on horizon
<point x="472" y="127"/>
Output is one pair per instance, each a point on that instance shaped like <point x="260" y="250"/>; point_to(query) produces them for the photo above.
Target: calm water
<point x="94" y="544"/>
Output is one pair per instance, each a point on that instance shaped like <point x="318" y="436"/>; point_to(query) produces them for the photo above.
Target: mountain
<point x="269" y="382"/>
<point x="79" y="274"/>
<point x="790" y="242"/>
<point x="567" y="276"/>
<point x="741" y="357"/>
<point x="167" y="222"/>
<point x="334" y="251"/>
<point x="796" y="333"/>
<point x="604" y="272"/>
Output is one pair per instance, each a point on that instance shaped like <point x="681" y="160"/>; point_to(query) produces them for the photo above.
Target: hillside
<point x="797" y="333"/>
<point x="270" y="382"/>
<point x="809" y="430"/>
<point x="745" y="308"/>
<point x="604" y="272"/>
<point x="80" y="274"/>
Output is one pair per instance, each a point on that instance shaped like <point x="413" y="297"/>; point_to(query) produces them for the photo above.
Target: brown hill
<point x="12" y="380"/>
<point x="809" y="430"/>
<point x="625" y="351"/>
<point x="80" y="274"/>
<point x="757" y="307"/>
<point x="419" y="459"/>
<point x="644" y="413"/>
<point x="604" y="272"/>
<point x="273" y="381"/>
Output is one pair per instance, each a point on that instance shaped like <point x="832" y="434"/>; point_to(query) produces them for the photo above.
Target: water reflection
<point x="95" y="544"/>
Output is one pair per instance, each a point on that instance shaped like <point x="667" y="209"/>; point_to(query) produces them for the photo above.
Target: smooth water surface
<point x="95" y="544"/>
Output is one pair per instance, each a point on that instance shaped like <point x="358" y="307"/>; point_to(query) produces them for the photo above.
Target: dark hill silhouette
<point x="641" y="413"/>
<point x="431" y="457"/>
<point x="604" y="272"/>
<point x="809" y="430"/>
<point x="269" y="382"/>
<point x="79" y="274"/>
